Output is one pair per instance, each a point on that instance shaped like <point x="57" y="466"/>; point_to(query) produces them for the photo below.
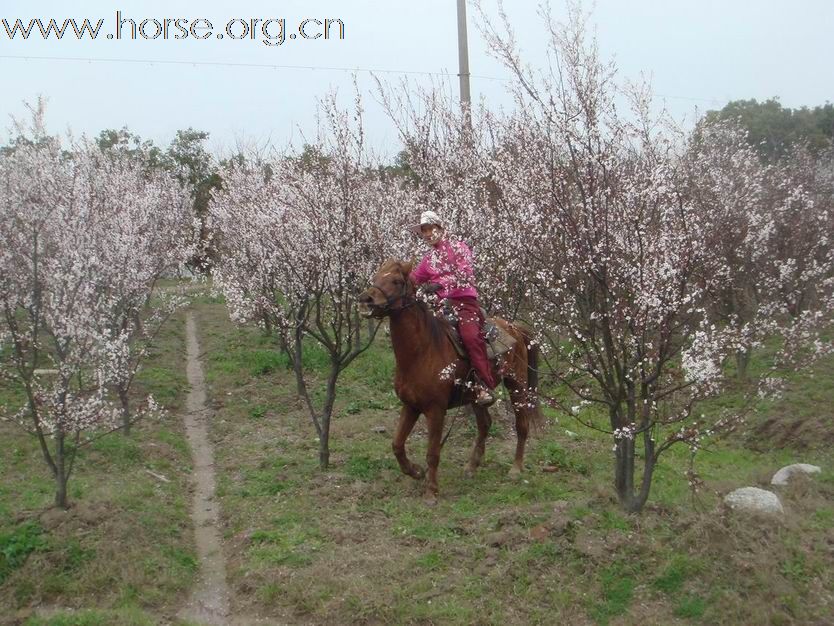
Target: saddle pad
<point x="498" y="340"/>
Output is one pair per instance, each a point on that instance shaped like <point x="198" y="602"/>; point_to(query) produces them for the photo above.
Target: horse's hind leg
<point x="522" y="425"/>
<point x="484" y="421"/>
<point x="408" y="417"/>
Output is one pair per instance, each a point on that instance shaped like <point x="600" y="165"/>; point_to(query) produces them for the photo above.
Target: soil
<point x="209" y="601"/>
<point x="797" y="433"/>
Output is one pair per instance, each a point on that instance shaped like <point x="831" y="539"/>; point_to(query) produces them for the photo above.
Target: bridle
<point x="391" y="300"/>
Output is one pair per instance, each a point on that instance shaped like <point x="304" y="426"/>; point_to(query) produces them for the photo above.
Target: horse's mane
<point x="438" y="327"/>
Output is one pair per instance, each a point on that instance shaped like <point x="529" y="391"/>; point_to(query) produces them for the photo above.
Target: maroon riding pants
<point x="470" y="323"/>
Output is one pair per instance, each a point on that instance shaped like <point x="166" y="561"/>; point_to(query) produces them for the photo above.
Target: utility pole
<point x="463" y="62"/>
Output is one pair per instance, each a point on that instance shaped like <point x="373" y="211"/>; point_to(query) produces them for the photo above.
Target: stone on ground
<point x="789" y="471"/>
<point x="754" y="500"/>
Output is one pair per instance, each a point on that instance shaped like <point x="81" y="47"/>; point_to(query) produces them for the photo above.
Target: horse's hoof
<point x="469" y="471"/>
<point x="417" y="472"/>
<point x="514" y="472"/>
<point x="430" y="499"/>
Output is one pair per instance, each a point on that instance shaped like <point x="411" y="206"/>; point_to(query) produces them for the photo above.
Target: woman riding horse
<point x="447" y="271"/>
<point x="429" y="373"/>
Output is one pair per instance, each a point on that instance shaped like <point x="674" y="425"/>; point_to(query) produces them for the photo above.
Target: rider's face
<point x="431" y="233"/>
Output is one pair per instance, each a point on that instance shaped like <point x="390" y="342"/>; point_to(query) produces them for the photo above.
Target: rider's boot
<point x="484" y="397"/>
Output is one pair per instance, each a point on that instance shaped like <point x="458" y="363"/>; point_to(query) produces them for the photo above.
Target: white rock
<point x="754" y="500"/>
<point x="786" y="473"/>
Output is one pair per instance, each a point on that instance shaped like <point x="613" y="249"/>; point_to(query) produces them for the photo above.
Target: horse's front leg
<point x="434" y="419"/>
<point x="408" y="417"/>
<point x="484" y="421"/>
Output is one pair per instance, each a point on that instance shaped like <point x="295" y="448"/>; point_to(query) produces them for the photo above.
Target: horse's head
<point x="390" y="290"/>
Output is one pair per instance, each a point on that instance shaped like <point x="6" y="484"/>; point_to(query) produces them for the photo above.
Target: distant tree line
<point x="772" y="128"/>
<point x="188" y="160"/>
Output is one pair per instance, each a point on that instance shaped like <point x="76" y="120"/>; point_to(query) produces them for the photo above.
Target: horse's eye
<point x="398" y="281"/>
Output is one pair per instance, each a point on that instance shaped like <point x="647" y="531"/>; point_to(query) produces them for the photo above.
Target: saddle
<point x="498" y="340"/>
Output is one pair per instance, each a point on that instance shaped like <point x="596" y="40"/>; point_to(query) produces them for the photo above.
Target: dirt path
<point x="209" y="601"/>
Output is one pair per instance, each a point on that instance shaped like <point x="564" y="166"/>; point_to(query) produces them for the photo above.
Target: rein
<point x="391" y="300"/>
<point x="449" y="432"/>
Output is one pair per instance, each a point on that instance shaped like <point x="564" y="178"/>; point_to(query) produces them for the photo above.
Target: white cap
<point x="427" y="218"/>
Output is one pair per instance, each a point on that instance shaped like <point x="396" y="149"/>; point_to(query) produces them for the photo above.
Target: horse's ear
<point x="407" y="267"/>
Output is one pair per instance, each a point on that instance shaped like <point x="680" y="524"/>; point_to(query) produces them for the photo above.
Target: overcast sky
<point x="699" y="54"/>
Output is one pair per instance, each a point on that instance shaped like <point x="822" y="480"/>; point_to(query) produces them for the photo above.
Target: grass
<point x="17" y="544"/>
<point x="355" y="543"/>
<point x="674" y="575"/>
<point x="123" y="553"/>
<point x="114" y="617"/>
<point x="370" y="551"/>
<point x="616" y="593"/>
<point x="690" y="607"/>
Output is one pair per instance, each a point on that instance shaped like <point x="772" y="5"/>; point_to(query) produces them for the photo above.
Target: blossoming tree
<point x="448" y="152"/>
<point x="622" y="262"/>
<point x="302" y="235"/>
<point x="80" y="248"/>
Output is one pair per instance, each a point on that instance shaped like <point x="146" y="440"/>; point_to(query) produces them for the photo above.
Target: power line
<point x="324" y="68"/>
<point x="331" y="68"/>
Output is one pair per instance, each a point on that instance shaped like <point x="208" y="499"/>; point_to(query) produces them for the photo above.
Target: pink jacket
<point x="449" y="264"/>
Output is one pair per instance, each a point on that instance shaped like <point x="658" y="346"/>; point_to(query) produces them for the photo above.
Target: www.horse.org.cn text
<point x="269" y="31"/>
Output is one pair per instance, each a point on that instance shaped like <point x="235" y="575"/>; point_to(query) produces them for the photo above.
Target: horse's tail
<point x="532" y="392"/>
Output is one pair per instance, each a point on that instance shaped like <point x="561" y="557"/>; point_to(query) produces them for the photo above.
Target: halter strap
<point x="390" y="300"/>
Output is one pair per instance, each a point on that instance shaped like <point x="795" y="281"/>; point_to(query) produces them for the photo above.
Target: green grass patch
<point x="611" y="520"/>
<point x="291" y="542"/>
<point x="17" y="545"/>
<point x="675" y="574"/>
<point x="184" y="558"/>
<point x="541" y="553"/>
<point x="116" y="617"/>
<point x="260" y="482"/>
<point x="430" y="561"/>
<point x="690" y="607"/>
<point x="423" y="527"/>
<point x="165" y="386"/>
<point x="617" y="590"/>
<point x="552" y="453"/>
<point x="823" y="519"/>
<point x="366" y="468"/>
<point x="174" y="439"/>
<point x="257" y="411"/>
<point x="118" y="451"/>
<point x="261" y="362"/>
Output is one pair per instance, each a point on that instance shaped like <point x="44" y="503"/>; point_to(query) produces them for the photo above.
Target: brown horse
<point x="429" y="372"/>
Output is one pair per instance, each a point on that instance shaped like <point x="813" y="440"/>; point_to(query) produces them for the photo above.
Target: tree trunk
<point x="624" y="471"/>
<point x="631" y="501"/>
<point x="742" y="361"/>
<point x="123" y="397"/>
<point x="60" y="472"/>
<point x="61" y="492"/>
<point x="327" y="413"/>
<point x="324" y="448"/>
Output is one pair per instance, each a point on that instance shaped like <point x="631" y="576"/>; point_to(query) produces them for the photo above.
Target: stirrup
<point x="485" y="398"/>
